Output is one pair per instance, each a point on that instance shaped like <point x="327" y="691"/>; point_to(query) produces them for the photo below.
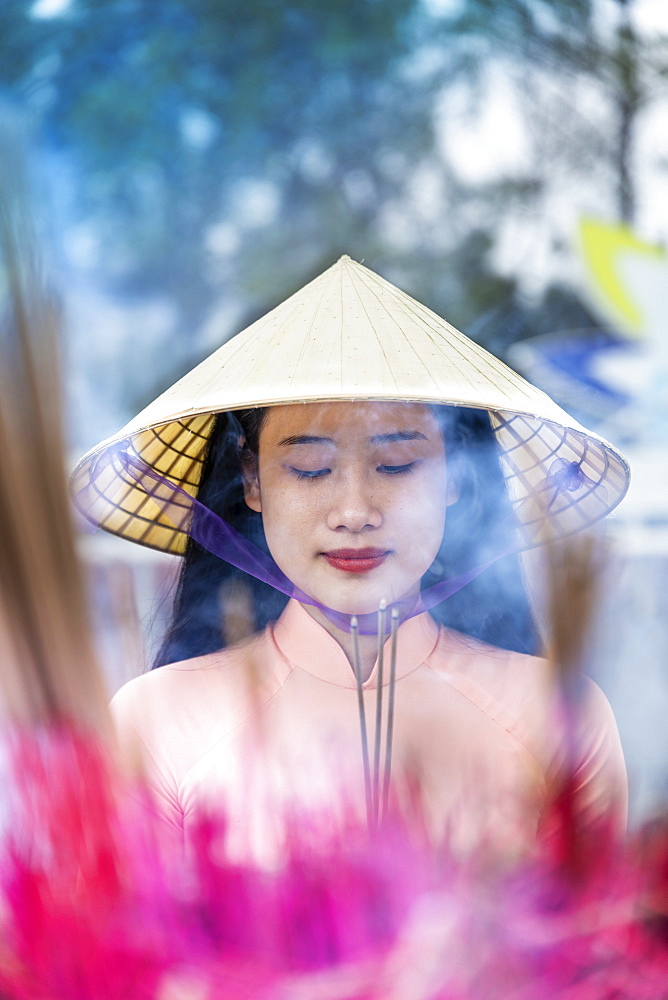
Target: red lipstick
<point x="356" y="560"/>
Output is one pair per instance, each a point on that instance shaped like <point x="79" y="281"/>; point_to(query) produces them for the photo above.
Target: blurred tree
<point x="591" y="43"/>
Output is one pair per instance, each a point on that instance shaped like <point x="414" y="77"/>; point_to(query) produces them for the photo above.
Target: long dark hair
<point x="492" y="607"/>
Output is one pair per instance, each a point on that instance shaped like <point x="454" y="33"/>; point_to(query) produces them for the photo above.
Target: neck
<point x="367" y="645"/>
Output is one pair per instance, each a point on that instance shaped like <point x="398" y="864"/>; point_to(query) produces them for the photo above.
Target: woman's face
<point x="353" y="498"/>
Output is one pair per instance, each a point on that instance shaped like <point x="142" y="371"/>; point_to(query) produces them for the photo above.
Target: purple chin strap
<point x="217" y="536"/>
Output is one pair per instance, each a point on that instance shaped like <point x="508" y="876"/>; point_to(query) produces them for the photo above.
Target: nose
<point x="353" y="507"/>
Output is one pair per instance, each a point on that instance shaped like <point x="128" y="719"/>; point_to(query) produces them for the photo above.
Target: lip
<point x="356" y="560"/>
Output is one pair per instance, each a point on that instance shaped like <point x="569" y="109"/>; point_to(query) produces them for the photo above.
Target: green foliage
<point x="126" y="77"/>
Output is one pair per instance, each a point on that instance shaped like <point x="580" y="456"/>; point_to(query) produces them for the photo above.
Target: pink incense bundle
<point x="96" y="905"/>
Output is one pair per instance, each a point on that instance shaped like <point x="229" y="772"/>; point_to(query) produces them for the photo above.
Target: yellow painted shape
<point x="603" y="244"/>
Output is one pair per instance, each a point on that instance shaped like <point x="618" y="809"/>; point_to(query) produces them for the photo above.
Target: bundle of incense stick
<point x="48" y="663"/>
<point x="376" y="793"/>
<point x="576" y="571"/>
<point x="575" y="576"/>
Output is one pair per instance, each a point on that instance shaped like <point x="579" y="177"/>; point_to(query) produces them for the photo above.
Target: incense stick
<point x="49" y="671"/>
<point x="382" y="611"/>
<point x="354" y="631"/>
<point x="390" y="708"/>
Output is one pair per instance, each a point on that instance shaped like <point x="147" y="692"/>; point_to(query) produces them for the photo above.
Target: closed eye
<point x="396" y="470"/>
<point x="308" y="473"/>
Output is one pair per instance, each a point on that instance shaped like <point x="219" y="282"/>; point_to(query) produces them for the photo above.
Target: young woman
<point x="339" y="452"/>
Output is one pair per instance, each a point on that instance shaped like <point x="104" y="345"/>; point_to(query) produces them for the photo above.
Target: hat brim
<point x="529" y="447"/>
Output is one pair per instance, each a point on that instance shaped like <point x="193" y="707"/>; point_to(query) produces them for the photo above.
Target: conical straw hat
<point x="351" y="335"/>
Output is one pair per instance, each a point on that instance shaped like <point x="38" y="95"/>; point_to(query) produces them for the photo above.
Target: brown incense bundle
<point x="47" y="664"/>
<point x="575" y="573"/>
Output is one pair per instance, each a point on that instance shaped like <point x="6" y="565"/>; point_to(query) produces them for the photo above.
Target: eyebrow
<point x="398" y="436"/>
<point x="294" y="439"/>
<point x="304" y="439"/>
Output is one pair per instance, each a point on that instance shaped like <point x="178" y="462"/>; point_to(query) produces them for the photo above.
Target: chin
<point x="359" y="607"/>
<point x="366" y="600"/>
